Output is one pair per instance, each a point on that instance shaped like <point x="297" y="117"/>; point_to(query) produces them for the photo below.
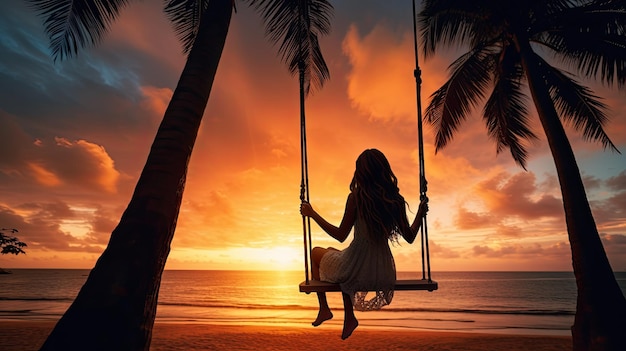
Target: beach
<point x="30" y="335"/>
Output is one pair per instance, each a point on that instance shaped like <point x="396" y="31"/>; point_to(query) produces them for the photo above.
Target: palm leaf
<point x="578" y="106"/>
<point x="296" y="25"/>
<point x="446" y="22"/>
<point x="451" y="22"/>
<point x="75" y="24"/>
<point x="593" y="41"/>
<point x="185" y="16"/>
<point x="451" y="104"/>
<point x="505" y="113"/>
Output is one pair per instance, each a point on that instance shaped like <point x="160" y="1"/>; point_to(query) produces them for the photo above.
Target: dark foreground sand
<point x="27" y="335"/>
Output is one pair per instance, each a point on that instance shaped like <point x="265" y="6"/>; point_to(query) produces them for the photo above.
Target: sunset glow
<point x="75" y="134"/>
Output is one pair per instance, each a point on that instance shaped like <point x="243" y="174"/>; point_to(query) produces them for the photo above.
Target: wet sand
<point x="30" y="335"/>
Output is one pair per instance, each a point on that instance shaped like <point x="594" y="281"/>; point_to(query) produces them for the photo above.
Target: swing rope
<point x="417" y="73"/>
<point x="304" y="181"/>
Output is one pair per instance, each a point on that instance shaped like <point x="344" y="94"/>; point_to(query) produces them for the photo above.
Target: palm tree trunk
<point x="600" y="307"/>
<point x="116" y="307"/>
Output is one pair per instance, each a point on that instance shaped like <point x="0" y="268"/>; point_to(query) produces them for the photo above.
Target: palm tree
<point x="507" y="44"/>
<point x="116" y="307"/>
<point x="301" y="51"/>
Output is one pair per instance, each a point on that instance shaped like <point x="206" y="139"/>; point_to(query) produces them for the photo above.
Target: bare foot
<point x="322" y="316"/>
<point x="348" y="328"/>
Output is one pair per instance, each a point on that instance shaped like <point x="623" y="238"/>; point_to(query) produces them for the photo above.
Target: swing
<point x="426" y="283"/>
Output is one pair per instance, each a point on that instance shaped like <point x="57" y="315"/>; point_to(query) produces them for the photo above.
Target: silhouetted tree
<point x="10" y="244"/>
<point x="116" y="306"/>
<point x="507" y="43"/>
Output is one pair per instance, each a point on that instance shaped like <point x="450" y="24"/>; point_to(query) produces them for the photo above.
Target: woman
<point x="377" y="212"/>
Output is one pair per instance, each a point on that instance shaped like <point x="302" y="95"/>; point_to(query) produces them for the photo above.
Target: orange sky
<point x="74" y="136"/>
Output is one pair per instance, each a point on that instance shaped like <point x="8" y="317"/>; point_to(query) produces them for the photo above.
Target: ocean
<point x="539" y="303"/>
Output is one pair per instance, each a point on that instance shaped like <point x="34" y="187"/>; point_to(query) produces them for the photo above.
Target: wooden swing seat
<point x="403" y="284"/>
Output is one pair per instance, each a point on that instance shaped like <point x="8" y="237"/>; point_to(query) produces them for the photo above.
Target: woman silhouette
<point x="377" y="212"/>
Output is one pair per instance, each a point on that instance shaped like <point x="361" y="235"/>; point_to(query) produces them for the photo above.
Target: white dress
<point x="365" y="266"/>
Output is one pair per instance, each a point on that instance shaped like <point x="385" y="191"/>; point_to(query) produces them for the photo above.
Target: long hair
<point x="378" y="199"/>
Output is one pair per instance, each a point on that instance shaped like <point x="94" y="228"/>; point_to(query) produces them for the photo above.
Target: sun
<point x="283" y="257"/>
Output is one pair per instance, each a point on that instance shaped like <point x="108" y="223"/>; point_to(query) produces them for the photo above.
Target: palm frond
<point x="578" y="106"/>
<point x="296" y="25"/>
<point x="75" y="24"/>
<point x="452" y="103"/>
<point x="592" y="38"/>
<point x="185" y="17"/>
<point x="446" y="22"/>
<point x="505" y="111"/>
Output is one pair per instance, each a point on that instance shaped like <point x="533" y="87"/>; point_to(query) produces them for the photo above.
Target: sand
<point x="29" y="335"/>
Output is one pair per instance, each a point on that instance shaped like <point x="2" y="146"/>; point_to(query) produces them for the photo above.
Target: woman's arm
<point x="417" y="221"/>
<point x="340" y="233"/>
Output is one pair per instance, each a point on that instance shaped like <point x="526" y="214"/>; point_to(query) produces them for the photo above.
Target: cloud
<point x="509" y="211"/>
<point x="527" y="252"/>
<point x="94" y="168"/>
<point x="442" y="252"/>
<point x="55" y="163"/>
<point x="39" y="226"/>
<point x="617" y="183"/>
<point x="517" y="195"/>
<point x="472" y="220"/>
<point x="610" y="209"/>
<point x="380" y="82"/>
<point x="156" y="100"/>
<point x="98" y="224"/>
<point x="615" y="247"/>
<point x="208" y="221"/>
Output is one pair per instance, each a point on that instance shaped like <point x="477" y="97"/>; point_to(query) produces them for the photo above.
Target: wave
<point x="389" y="309"/>
<point x="534" y="312"/>
<point x="38" y="298"/>
<point x="286" y="307"/>
<point x="4" y="312"/>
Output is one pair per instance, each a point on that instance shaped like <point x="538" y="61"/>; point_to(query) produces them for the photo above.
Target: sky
<point x="74" y="136"/>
